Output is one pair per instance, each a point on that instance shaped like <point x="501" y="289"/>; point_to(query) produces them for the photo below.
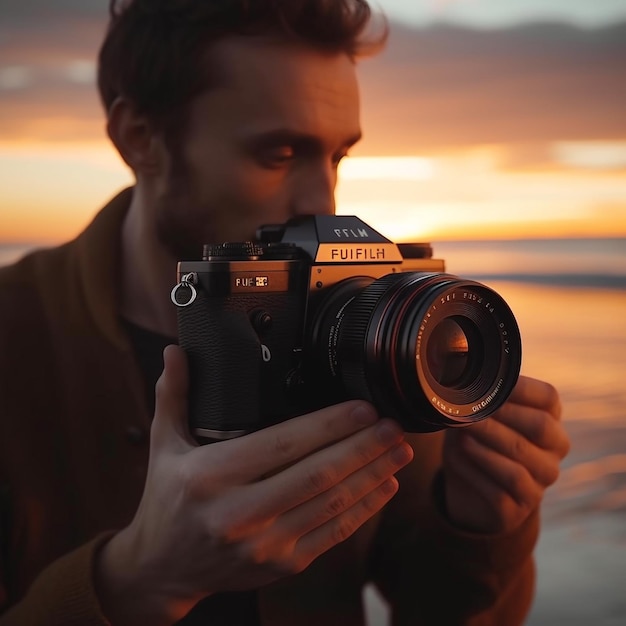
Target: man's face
<point x="262" y="146"/>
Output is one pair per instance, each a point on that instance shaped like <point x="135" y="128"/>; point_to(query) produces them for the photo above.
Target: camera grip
<point x="223" y="373"/>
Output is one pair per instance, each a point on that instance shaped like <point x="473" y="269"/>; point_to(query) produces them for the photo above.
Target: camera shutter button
<point x="244" y="250"/>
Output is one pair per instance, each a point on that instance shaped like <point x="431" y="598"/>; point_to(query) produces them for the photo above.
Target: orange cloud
<point x="447" y="86"/>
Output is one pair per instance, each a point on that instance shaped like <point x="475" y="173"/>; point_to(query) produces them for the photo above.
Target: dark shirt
<point x="221" y="609"/>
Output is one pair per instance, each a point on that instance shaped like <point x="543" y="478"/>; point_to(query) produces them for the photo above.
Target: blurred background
<point x="495" y="130"/>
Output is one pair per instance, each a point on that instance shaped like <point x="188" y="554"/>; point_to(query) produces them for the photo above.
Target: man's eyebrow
<point x="286" y="135"/>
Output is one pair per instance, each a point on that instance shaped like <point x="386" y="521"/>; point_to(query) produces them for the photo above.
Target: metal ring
<point x="188" y="285"/>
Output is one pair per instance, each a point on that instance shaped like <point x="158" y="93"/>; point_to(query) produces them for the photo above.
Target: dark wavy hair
<point x="155" y="51"/>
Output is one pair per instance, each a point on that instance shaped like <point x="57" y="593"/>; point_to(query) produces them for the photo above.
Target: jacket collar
<point x="98" y="256"/>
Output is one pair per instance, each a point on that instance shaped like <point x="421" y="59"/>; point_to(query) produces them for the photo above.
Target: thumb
<point x="170" y="425"/>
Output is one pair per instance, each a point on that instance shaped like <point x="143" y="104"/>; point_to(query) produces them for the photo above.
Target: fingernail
<point x="388" y="432"/>
<point x="389" y="486"/>
<point x="401" y="455"/>
<point x="364" y="414"/>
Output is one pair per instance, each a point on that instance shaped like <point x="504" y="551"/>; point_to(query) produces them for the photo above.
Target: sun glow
<point x="51" y="191"/>
<point x="472" y="193"/>
<point x="386" y="168"/>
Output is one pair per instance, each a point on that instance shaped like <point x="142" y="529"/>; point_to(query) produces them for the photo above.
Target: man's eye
<point x="278" y="156"/>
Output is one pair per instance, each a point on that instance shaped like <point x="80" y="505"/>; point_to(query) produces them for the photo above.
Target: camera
<point x="322" y="309"/>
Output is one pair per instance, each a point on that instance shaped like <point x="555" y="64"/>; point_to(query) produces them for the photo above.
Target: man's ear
<point x="135" y="138"/>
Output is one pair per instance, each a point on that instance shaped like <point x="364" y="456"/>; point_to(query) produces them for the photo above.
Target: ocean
<point x="569" y="297"/>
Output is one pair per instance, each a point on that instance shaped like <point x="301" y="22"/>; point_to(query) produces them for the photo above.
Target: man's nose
<point x="314" y="191"/>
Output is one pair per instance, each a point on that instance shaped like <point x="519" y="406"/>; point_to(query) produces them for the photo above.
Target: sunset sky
<point x="482" y="119"/>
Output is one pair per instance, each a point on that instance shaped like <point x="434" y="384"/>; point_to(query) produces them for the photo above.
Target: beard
<point x="179" y="230"/>
<point x="182" y="226"/>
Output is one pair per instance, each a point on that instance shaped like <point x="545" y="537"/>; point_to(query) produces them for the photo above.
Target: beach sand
<point x="581" y="557"/>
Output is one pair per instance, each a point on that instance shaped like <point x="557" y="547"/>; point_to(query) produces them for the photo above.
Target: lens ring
<point x="383" y="345"/>
<point x="482" y="310"/>
<point x="475" y="322"/>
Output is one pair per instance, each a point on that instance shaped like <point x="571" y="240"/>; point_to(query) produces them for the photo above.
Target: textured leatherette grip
<point x="224" y="355"/>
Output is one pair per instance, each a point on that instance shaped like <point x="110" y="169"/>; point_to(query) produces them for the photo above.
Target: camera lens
<point x="431" y="350"/>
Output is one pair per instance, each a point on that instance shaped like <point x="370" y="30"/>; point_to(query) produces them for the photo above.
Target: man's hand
<point x="242" y="513"/>
<point x="496" y="471"/>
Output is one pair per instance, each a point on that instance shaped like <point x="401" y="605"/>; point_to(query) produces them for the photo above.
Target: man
<point x="232" y="114"/>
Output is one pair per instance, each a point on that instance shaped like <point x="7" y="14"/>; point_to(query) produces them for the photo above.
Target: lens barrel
<point x="431" y="350"/>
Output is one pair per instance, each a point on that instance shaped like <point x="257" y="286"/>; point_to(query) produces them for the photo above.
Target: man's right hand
<point x="242" y="513"/>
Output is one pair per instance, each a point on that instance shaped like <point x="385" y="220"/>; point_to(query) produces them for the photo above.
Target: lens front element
<point x="448" y="353"/>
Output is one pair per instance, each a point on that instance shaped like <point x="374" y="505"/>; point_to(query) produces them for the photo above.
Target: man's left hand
<point x="496" y="471"/>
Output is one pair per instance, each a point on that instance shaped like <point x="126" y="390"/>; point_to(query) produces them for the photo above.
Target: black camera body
<point x="324" y="309"/>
